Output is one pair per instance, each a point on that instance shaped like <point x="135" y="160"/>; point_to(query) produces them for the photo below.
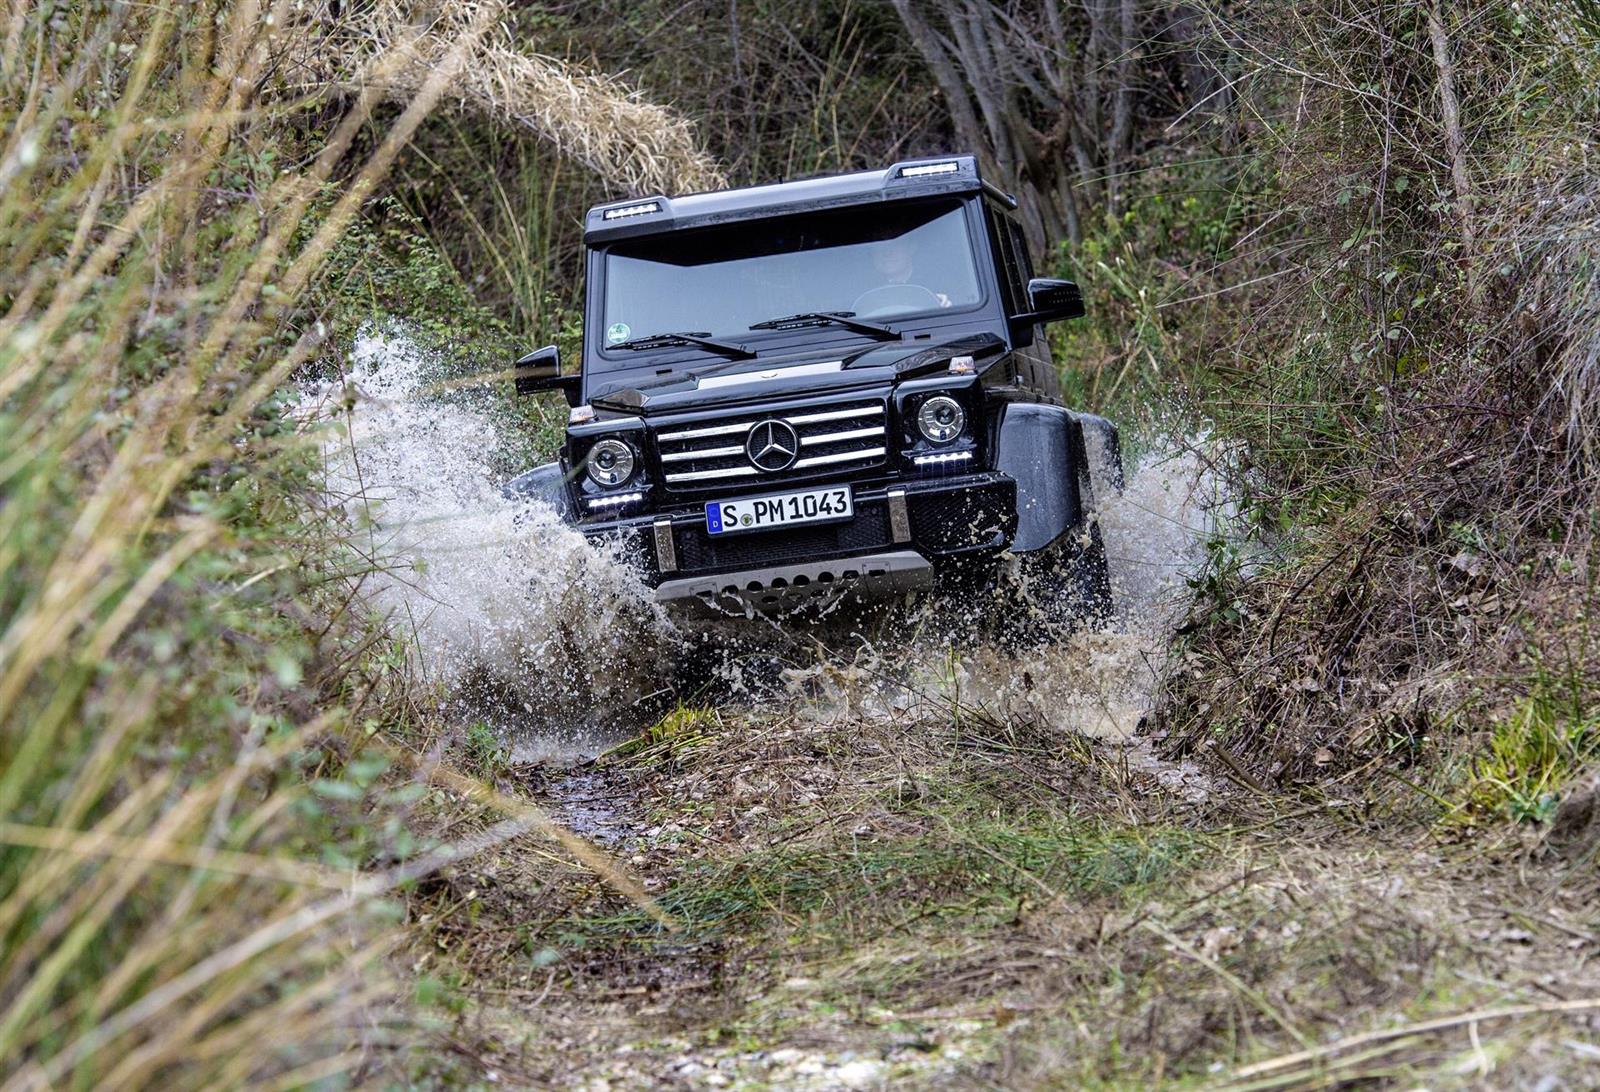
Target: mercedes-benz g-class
<point x="830" y="386"/>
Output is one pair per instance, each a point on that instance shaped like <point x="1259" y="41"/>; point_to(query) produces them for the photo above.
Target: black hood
<point x="755" y="380"/>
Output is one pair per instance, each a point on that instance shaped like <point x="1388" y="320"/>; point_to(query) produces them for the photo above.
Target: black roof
<point x="912" y="178"/>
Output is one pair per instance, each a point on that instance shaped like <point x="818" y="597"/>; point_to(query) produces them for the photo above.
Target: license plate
<point x="779" y="510"/>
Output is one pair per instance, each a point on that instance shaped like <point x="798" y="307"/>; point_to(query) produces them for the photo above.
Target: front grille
<point x="844" y="436"/>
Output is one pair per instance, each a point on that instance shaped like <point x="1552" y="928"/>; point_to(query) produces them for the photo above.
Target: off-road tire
<point x="1034" y="598"/>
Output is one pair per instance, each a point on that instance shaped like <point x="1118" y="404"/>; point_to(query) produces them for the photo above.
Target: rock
<point x="1466" y="563"/>
<point x="861" y="1073"/>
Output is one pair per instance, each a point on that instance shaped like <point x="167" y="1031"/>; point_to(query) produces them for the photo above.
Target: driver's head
<point x="893" y="259"/>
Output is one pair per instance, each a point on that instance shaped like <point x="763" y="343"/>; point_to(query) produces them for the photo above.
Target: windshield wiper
<point x="846" y="319"/>
<point x="688" y="337"/>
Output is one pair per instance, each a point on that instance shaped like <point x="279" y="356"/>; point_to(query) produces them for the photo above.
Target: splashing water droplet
<point x="515" y="617"/>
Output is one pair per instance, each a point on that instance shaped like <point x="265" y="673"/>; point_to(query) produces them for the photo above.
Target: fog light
<point x="941" y="419"/>
<point x="610" y="463"/>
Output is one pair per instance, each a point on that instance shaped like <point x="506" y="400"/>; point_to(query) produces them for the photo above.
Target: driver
<point x="895" y="260"/>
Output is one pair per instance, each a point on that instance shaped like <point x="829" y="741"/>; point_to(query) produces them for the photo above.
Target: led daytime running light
<point x="621" y="498"/>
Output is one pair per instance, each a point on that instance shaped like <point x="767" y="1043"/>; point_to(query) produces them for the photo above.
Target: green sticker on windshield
<point x="617" y="331"/>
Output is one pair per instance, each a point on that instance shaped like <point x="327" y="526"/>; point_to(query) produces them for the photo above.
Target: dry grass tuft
<point x="592" y="117"/>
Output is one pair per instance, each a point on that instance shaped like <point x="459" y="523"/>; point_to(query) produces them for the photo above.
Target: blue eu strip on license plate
<point x="828" y="505"/>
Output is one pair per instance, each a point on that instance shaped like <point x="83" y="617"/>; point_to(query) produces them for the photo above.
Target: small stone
<point x="859" y="1074"/>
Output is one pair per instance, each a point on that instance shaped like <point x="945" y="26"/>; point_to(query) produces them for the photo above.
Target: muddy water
<point x="519" y="622"/>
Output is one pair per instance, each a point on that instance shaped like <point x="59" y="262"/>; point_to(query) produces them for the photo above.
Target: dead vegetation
<point x="1058" y="98"/>
<point x="634" y="144"/>
<point x="199" y="842"/>
<point x="201" y="741"/>
<point x="1412" y="395"/>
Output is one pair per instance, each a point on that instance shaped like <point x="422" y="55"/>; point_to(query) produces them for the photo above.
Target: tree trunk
<point x="1048" y="95"/>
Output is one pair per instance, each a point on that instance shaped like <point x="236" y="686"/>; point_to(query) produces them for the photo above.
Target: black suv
<point x="829" y="386"/>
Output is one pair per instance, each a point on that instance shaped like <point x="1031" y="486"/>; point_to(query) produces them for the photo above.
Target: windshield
<point x="878" y="262"/>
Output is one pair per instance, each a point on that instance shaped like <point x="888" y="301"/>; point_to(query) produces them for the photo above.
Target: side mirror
<point x="1050" y="300"/>
<point x="540" y="370"/>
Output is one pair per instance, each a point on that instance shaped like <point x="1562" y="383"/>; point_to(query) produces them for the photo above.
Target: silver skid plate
<point x="783" y="587"/>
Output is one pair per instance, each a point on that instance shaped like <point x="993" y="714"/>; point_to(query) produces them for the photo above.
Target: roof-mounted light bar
<point x="622" y="212"/>
<point x="921" y="169"/>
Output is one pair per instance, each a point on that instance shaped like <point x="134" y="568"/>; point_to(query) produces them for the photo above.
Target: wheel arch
<point x="1051" y="453"/>
<point x="547" y="483"/>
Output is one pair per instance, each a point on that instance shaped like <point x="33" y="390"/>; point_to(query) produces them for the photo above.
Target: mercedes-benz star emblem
<point x="772" y="446"/>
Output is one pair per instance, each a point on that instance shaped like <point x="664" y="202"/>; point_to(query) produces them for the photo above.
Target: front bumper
<point x="891" y="544"/>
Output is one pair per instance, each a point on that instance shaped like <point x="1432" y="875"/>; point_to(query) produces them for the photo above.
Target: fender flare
<point x="547" y="483"/>
<point x="1042" y="448"/>
<point x="1103" y="443"/>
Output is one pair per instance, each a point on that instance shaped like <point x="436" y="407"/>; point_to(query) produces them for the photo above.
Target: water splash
<point x="519" y="620"/>
<point x="1102" y="683"/>
<point x="1098" y="682"/>
<point x="1156" y="528"/>
<point x="515" y="617"/>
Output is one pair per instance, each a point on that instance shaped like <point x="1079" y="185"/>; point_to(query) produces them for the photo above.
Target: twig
<point x="1295" y="1076"/>
<point x="1443" y="1023"/>
<point x="1236" y="770"/>
<point x="1414" y="787"/>
<point x="1315" y="809"/>
<point x="1255" y="996"/>
<point x="1450" y="107"/>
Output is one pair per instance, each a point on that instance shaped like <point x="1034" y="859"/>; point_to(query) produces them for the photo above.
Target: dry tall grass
<point x="590" y="116"/>
<point x="189" y="811"/>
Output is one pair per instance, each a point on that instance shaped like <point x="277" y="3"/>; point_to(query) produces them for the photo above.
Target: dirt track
<point x="949" y="901"/>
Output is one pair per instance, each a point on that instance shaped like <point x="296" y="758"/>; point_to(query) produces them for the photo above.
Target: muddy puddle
<point x="519" y="623"/>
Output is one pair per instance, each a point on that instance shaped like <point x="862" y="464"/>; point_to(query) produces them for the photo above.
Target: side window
<point x="1019" y="246"/>
<point x="1005" y="248"/>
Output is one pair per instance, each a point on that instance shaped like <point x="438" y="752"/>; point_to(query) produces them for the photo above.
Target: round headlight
<point x="610" y="463"/>
<point x="941" y="419"/>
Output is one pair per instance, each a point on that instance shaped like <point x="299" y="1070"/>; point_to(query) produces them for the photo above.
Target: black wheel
<point x="1086" y="585"/>
<point x="1035" y="598"/>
